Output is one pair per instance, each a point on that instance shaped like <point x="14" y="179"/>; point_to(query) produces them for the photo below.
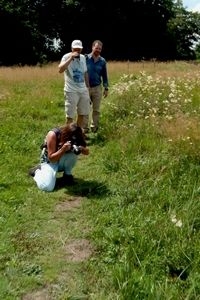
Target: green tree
<point x="29" y="30"/>
<point x="197" y="51"/>
<point x="184" y="30"/>
<point x="130" y="29"/>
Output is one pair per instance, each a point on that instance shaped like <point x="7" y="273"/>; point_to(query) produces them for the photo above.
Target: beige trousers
<point x="95" y="96"/>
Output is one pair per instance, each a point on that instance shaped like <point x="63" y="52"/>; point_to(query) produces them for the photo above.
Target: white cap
<point x="77" y="44"/>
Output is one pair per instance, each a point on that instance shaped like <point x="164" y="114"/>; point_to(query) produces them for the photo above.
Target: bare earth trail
<point x="76" y="251"/>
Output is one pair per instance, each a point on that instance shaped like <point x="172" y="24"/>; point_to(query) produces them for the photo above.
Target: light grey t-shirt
<point x="74" y="75"/>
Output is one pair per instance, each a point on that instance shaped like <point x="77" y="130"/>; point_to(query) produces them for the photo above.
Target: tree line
<point x="130" y="29"/>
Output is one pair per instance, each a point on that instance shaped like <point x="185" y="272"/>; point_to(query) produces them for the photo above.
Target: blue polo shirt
<point x="97" y="71"/>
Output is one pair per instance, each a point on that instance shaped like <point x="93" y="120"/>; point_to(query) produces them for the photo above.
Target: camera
<point x="76" y="149"/>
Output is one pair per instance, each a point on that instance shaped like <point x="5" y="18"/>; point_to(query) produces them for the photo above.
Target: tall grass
<point x="138" y="188"/>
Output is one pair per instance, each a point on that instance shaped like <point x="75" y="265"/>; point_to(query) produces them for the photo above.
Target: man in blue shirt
<point x="98" y="81"/>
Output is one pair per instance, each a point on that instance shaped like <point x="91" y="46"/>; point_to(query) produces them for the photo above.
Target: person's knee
<point x="46" y="186"/>
<point x="45" y="180"/>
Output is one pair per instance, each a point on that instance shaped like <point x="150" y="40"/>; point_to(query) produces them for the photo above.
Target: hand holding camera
<point x="67" y="146"/>
<point x="76" y="55"/>
<point x="70" y="146"/>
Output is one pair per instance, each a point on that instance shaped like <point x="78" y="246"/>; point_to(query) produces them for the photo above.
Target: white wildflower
<point x="178" y="223"/>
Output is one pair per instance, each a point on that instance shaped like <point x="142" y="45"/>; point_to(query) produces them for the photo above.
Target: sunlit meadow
<point x="139" y="189"/>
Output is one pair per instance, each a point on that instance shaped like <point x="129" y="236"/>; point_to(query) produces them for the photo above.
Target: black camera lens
<point x="76" y="149"/>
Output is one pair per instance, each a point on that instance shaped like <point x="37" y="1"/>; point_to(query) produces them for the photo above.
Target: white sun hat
<point x="77" y="44"/>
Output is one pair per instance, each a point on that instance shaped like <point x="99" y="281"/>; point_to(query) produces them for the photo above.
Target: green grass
<point x="135" y="210"/>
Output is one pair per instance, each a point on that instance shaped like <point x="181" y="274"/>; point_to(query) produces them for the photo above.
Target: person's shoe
<point x="86" y="130"/>
<point x="31" y="172"/>
<point x="94" y="129"/>
<point x="68" y="179"/>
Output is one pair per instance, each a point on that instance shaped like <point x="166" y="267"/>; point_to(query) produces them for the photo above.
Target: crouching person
<point x="60" y="152"/>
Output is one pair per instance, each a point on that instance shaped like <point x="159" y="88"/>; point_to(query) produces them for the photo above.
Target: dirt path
<point x="76" y="250"/>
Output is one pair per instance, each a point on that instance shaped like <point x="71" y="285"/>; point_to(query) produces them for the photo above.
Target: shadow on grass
<point x="86" y="188"/>
<point x="95" y="139"/>
<point x="4" y="186"/>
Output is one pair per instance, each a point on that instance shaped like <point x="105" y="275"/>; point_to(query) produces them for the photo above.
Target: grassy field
<point x="130" y="228"/>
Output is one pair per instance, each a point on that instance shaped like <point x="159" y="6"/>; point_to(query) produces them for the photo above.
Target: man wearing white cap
<point x="76" y="84"/>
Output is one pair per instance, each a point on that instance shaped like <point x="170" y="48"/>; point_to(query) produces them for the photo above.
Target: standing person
<point x="97" y="72"/>
<point x="76" y="84"/>
<point x="59" y="153"/>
